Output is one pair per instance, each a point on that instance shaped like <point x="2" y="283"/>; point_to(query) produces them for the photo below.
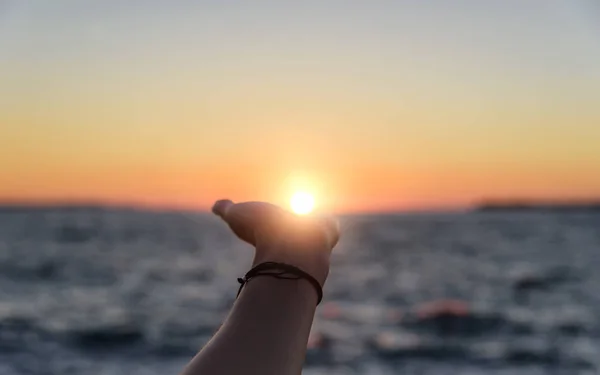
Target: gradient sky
<point x="373" y="105"/>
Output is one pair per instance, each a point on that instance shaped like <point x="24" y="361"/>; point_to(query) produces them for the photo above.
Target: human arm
<point x="267" y="329"/>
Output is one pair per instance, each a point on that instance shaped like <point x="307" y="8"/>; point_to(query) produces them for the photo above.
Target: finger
<point x="245" y="218"/>
<point x="221" y="206"/>
<point x="236" y="218"/>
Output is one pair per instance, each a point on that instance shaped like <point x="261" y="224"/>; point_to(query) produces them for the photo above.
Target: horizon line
<point x="489" y="203"/>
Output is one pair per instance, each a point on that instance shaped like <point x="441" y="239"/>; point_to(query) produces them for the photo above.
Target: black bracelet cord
<point x="280" y="271"/>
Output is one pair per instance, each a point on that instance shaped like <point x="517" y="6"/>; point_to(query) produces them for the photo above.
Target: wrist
<point x="273" y="291"/>
<point x="281" y="271"/>
<point x="316" y="266"/>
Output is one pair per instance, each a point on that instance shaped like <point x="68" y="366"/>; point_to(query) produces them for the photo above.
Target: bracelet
<point x="283" y="271"/>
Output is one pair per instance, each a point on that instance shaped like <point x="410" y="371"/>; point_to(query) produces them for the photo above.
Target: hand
<point x="280" y="236"/>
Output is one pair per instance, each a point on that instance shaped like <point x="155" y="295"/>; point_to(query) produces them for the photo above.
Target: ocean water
<point x="114" y="291"/>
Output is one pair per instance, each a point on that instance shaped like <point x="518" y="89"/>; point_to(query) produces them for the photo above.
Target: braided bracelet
<point x="284" y="271"/>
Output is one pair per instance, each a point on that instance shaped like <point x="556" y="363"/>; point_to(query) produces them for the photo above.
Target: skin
<point x="267" y="329"/>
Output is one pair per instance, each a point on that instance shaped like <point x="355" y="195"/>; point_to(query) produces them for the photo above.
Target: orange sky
<point x="372" y="107"/>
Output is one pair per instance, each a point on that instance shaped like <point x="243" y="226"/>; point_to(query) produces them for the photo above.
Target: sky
<point x="370" y="105"/>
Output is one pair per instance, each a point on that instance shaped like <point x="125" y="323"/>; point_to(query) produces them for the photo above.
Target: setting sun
<point x="302" y="203"/>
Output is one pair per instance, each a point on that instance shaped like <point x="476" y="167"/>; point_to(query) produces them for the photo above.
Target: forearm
<point x="266" y="332"/>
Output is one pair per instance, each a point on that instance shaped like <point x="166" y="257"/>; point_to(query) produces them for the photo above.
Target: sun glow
<point x="302" y="203"/>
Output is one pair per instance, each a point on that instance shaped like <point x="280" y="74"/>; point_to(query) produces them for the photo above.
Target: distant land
<point x="7" y="207"/>
<point x="533" y="206"/>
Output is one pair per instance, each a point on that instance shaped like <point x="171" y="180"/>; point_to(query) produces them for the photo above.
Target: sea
<point x="111" y="291"/>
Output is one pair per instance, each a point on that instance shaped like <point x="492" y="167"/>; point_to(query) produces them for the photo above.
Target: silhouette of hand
<point x="280" y="236"/>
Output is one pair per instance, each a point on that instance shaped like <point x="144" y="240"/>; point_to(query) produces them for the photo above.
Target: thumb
<point x="244" y="218"/>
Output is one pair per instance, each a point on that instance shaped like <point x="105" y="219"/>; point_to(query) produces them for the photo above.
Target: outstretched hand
<point x="280" y="236"/>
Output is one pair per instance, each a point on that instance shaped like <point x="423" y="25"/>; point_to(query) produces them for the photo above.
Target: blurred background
<point x="456" y="141"/>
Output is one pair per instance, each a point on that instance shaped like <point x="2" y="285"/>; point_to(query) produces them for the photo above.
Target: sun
<point x="302" y="203"/>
